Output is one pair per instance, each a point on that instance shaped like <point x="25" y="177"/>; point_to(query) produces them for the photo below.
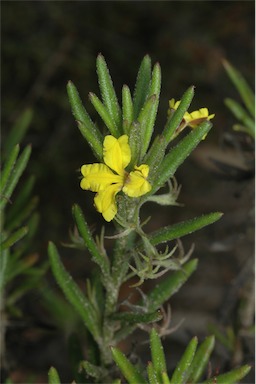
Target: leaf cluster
<point x="245" y="114"/>
<point x="134" y="252"/>
<point x="19" y="219"/>
<point x="189" y="370"/>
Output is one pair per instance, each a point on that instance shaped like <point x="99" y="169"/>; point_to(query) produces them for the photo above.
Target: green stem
<point x="120" y="265"/>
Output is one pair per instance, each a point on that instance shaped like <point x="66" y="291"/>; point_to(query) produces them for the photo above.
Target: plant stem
<point x="120" y="266"/>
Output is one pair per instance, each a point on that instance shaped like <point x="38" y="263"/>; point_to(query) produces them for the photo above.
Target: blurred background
<point x="47" y="43"/>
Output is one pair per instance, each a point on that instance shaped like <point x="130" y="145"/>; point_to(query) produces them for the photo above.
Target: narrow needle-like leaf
<point x="184" y="228"/>
<point x="85" y="124"/>
<point x="157" y="353"/>
<point x="18" y="131"/>
<point x="201" y="360"/>
<point x="22" y="201"/>
<point x="73" y="292"/>
<point x="142" y="85"/>
<point x="178" y="154"/>
<point x="231" y="377"/>
<point x="152" y="376"/>
<point x="14" y="177"/>
<point x="53" y="376"/>
<point x="241" y="114"/>
<point x="165" y="378"/>
<point x="104" y="114"/>
<point x="93" y="370"/>
<point x="85" y="232"/>
<point x="147" y="129"/>
<point x="180" y="373"/>
<point x="13" y="238"/>
<point x="127" y="105"/>
<point x="137" y="318"/>
<point x="8" y="167"/>
<point x="131" y="373"/>
<point x="170" y="285"/>
<point x="108" y="92"/>
<point x="155" y="155"/>
<point x="174" y="122"/>
<point x="242" y="86"/>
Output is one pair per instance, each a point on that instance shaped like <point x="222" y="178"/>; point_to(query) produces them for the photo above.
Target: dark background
<point x="47" y="43"/>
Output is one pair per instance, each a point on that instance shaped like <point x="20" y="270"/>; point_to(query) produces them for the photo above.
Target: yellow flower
<point x="173" y="104"/>
<point x="192" y="119"/>
<point x="110" y="178"/>
<point x="195" y="118"/>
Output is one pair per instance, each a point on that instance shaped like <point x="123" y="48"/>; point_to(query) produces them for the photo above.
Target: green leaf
<point x="181" y="371"/>
<point x="201" y="360"/>
<point x="32" y="224"/>
<point x="231" y="377"/>
<point x="157" y="353"/>
<point x="183" y="228"/>
<point x="14" y="177"/>
<point x="144" y="120"/>
<point x="7" y="169"/>
<point x="73" y="292"/>
<point x="156" y="153"/>
<point x="127" y="109"/>
<point x="93" y="370"/>
<point x="135" y="140"/>
<point x="152" y="376"/>
<point x="154" y="90"/>
<point x="241" y="114"/>
<point x="53" y="376"/>
<point x="22" y="199"/>
<point x="108" y="93"/>
<point x="142" y="85"/>
<point x="223" y="337"/>
<point x="155" y="156"/>
<point x="131" y="374"/>
<point x="60" y="310"/>
<point x="98" y="290"/>
<point x="16" y="220"/>
<point x="98" y="257"/>
<point x="165" y="378"/>
<point x="18" y="267"/>
<point x="175" y="120"/>
<point x="14" y="238"/>
<point x="137" y="318"/>
<point x="104" y="114"/>
<point x="169" y="285"/>
<point x="242" y="86"/>
<point x="87" y="128"/>
<point x="18" y="131"/>
<point x="31" y="281"/>
<point x="178" y="154"/>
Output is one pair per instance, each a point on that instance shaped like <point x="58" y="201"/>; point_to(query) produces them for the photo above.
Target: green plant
<point x="190" y="368"/>
<point x="130" y="171"/>
<point x="19" y="220"/>
<point x="244" y="114"/>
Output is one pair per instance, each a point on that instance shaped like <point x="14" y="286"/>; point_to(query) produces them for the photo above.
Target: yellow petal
<point x="174" y="104"/>
<point x="97" y="177"/>
<point x="136" y="184"/>
<point x="116" y="153"/>
<point x="187" y="117"/>
<point x="105" y="201"/>
<point x="204" y="112"/>
<point x="195" y="118"/>
<point x="143" y="169"/>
